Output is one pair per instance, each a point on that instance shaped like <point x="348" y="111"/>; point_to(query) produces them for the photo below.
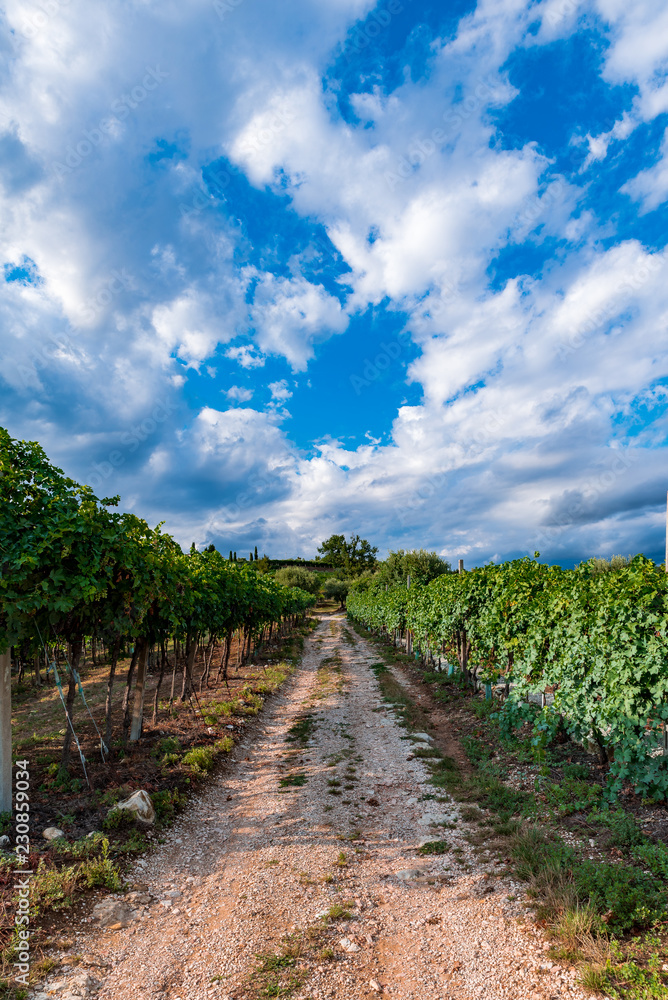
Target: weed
<point x="434" y="847"/>
<point x="293" y="781"/>
<point x="200" y="760"/>
<point x="339" y="911"/>
<point x="301" y="730"/>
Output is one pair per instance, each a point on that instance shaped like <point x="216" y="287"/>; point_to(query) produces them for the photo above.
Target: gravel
<point x="236" y="875"/>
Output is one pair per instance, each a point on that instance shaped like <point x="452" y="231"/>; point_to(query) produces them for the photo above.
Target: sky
<point x="276" y="271"/>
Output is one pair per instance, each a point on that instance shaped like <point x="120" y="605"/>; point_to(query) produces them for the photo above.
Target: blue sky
<point x="271" y="271"/>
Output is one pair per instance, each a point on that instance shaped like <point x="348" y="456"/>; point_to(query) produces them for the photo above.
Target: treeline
<point x="595" y="638"/>
<point x="72" y="569"/>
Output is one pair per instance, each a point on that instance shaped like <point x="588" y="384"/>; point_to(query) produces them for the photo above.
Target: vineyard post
<point x="461" y="565"/>
<point x="5" y="732"/>
<point x="138" y="707"/>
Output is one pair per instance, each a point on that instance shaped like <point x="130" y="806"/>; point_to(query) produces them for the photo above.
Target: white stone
<point x="52" y="833"/>
<point x="406" y="874"/>
<point x="348" y="945"/>
<point x="4" y="841"/>
<point x="423" y="737"/>
<point x="140" y="804"/>
<point x="112" y="911"/>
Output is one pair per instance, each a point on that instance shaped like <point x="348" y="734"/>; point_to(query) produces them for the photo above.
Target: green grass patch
<point x="301" y="730"/>
<point x="293" y="781"/>
<point x="434" y="847"/>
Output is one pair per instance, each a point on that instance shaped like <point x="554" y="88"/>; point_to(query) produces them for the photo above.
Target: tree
<point x="295" y="576"/>
<point x="354" y="556"/>
<point x="420" y="565"/>
<point x="256" y="553"/>
<point x="336" y="590"/>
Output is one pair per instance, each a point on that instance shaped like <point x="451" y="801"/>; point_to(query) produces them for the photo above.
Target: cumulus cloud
<point x="291" y="315"/>
<point x="539" y="417"/>
<point x="239" y="394"/>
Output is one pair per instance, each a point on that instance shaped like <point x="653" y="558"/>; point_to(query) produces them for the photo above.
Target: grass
<point x="434" y="847"/>
<point x="300" y="731"/>
<point x="293" y="781"/>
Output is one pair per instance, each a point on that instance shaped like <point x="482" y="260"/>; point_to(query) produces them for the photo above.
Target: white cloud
<point x="650" y="187"/>
<point x="290" y="316"/>
<point x="279" y="391"/>
<point x="238" y="394"/>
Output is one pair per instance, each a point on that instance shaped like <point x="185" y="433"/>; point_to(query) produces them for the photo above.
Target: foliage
<point x="595" y="640"/>
<point x="420" y="565"/>
<point x="336" y="590"/>
<point x="294" y="576"/>
<point x="353" y="556"/>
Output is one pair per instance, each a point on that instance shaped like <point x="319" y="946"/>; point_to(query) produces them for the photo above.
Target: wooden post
<point x="138" y="706"/>
<point x="408" y="581"/>
<point x="461" y="565"/>
<point x="5" y="732"/>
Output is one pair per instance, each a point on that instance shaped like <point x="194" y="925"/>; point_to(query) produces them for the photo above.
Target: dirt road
<point x="298" y="873"/>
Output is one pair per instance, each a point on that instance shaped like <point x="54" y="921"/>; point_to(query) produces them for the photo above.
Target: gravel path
<point x="307" y="851"/>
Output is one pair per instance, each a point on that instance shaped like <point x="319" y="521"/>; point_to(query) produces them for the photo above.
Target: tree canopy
<point x="353" y="556"/>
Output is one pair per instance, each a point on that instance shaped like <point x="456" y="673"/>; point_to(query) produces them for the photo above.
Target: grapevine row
<point x="597" y="641"/>
<point x="73" y="567"/>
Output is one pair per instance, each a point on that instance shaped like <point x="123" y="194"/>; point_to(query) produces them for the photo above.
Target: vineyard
<point x="590" y="646"/>
<point x="77" y="576"/>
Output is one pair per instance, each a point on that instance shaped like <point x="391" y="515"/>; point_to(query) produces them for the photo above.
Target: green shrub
<point x="167" y="804"/>
<point x="200" y="760"/>
<point x="654" y="857"/>
<point x="578" y="771"/>
<point x="572" y="795"/>
<point x="623" y="828"/>
<point x="434" y="847"/>
<point x="626" y="895"/>
<point x="118" y="819"/>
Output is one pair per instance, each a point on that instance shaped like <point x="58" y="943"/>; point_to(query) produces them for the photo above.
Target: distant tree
<point x="230" y="555"/>
<point x="235" y="557"/>
<point x="609" y="565"/>
<point x="262" y="565"/>
<point x="354" y="556"/>
<point x="251" y="557"/>
<point x="210" y="548"/>
<point x="256" y="553"/>
<point x="295" y="576"/>
<point x="336" y="590"/>
<point x="420" y="565"/>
